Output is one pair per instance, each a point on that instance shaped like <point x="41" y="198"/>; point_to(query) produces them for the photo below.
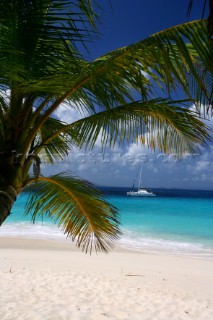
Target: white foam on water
<point x="130" y="240"/>
<point x="27" y="229"/>
<point x="142" y="243"/>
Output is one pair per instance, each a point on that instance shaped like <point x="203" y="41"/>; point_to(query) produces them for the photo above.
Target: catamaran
<point x="141" y="192"/>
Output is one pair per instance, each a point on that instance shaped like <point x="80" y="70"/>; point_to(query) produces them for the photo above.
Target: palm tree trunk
<point x="7" y="198"/>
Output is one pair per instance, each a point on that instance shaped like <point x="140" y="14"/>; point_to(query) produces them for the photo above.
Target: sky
<point x="123" y="23"/>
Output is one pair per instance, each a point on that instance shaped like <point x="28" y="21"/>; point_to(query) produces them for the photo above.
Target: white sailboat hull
<point x="141" y="193"/>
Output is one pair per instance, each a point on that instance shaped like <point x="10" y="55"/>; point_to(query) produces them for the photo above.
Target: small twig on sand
<point x="134" y="275"/>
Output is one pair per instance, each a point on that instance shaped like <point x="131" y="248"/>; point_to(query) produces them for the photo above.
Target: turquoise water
<point x="177" y="222"/>
<point x="171" y="224"/>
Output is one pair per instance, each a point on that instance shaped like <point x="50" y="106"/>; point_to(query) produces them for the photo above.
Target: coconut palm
<point x="120" y="96"/>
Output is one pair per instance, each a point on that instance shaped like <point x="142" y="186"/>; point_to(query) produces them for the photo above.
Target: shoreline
<point x="48" y="279"/>
<point x="55" y="243"/>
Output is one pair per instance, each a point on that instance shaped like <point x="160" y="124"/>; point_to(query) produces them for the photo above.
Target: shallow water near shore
<point x="175" y="222"/>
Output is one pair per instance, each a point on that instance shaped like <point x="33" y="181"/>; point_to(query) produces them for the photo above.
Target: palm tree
<point x="117" y="95"/>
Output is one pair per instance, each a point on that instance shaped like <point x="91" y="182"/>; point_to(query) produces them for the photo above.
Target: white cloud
<point x="202" y="165"/>
<point x="5" y="94"/>
<point x="82" y="167"/>
<point x="67" y="114"/>
<point x="206" y="118"/>
<point x="206" y="177"/>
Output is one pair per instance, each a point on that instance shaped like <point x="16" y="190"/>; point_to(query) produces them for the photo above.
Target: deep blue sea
<point x="175" y="222"/>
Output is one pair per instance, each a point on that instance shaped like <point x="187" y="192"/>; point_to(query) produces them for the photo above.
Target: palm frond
<point x="161" y="123"/>
<point x="78" y="208"/>
<point x="46" y="31"/>
<point x="179" y="57"/>
<point x="52" y="141"/>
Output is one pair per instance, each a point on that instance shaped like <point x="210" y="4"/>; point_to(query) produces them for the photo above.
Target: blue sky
<point x="130" y="21"/>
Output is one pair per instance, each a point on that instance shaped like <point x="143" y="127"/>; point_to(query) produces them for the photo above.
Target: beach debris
<point x="106" y="315"/>
<point x="134" y="275"/>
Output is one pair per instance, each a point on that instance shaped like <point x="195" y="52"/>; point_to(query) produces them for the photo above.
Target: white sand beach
<point x="51" y="280"/>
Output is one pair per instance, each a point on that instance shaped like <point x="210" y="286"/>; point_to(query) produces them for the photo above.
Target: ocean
<point x="178" y="222"/>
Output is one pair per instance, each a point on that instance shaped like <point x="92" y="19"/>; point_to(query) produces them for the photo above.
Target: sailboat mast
<point x="140" y="178"/>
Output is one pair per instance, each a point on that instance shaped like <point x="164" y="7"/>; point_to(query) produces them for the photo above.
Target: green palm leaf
<point x="78" y="208"/>
<point x="157" y="123"/>
<point x="165" y="59"/>
<point x="44" y="28"/>
<point x="161" y="123"/>
<point x="53" y="146"/>
<point x="168" y="58"/>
